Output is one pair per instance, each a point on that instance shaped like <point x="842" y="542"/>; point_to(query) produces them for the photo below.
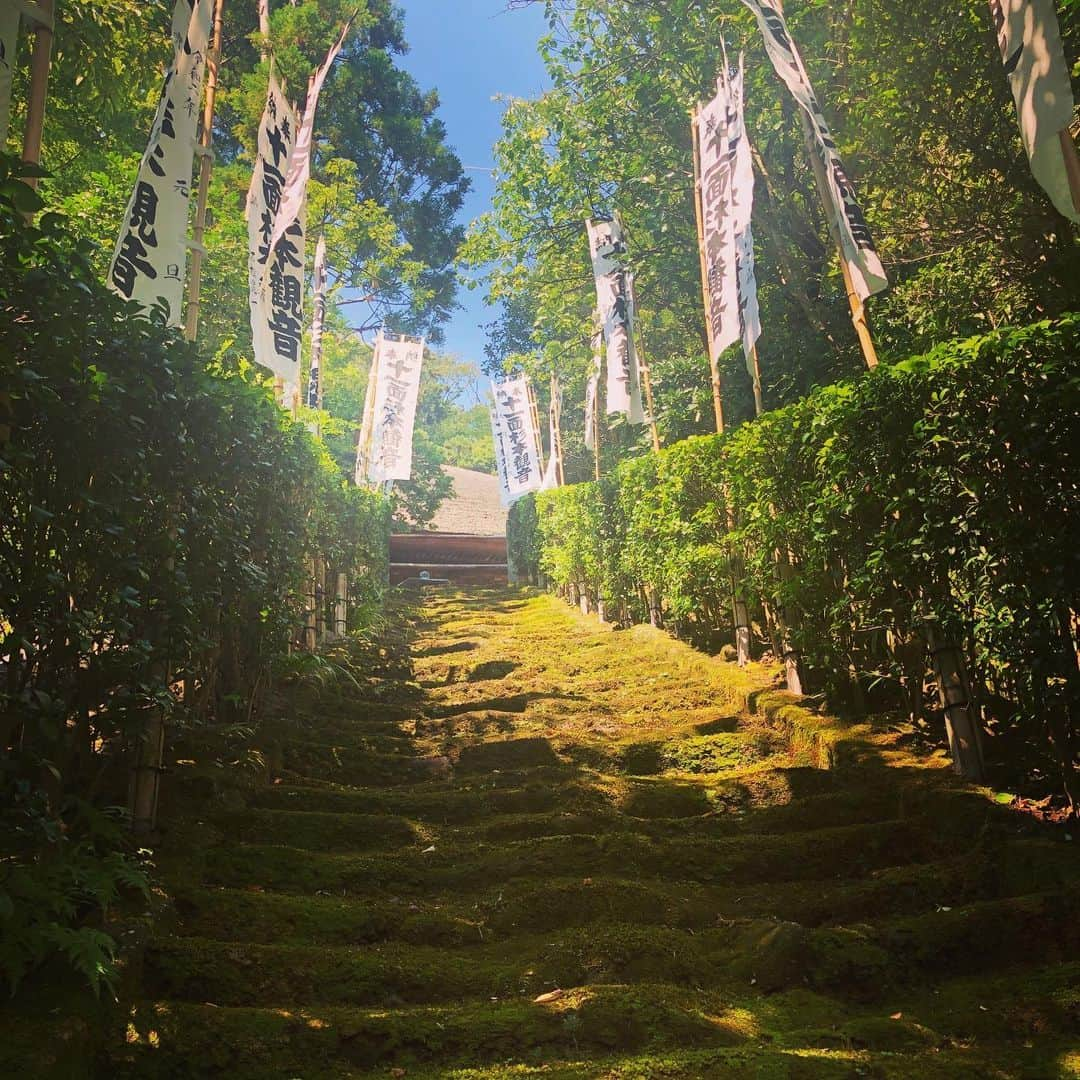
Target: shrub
<point x="157" y="522"/>
<point x="940" y="491"/>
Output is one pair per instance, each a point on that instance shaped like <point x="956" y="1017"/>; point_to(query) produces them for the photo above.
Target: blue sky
<point x="469" y="51"/>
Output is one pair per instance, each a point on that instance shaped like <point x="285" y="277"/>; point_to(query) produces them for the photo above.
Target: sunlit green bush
<point x="942" y="490"/>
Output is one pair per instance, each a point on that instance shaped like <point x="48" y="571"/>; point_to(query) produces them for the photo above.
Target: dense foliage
<point x="940" y="491"/>
<point x="157" y="521"/>
<point x="923" y="116"/>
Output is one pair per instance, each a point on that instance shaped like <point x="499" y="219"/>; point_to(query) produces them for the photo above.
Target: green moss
<point x="350" y="764"/>
<point x="714" y="753"/>
<point x="315" y="830"/>
<point x="506" y="754"/>
<point x="718" y="891"/>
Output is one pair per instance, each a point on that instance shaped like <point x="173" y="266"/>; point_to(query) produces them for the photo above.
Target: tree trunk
<point x="961" y="722"/>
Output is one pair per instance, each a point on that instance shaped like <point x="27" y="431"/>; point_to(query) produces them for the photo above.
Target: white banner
<point x="148" y="263"/>
<point x="857" y="245"/>
<point x="607" y="248"/>
<point x="318" y="317"/>
<point x="397" y="390"/>
<point x="275" y="283"/>
<point x="364" y="444"/>
<point x="521" y="440"/>
<point x="294" y="195"/>
<point x="1030" y="42"/>
<point x="717" y="159"/>
<point x="743" y="195"/>
<point x="499" y="439"/>
<point x="9" y="45"/>
<point x="592" y="388"/>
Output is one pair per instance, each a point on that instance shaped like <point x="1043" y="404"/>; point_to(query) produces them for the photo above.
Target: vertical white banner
<point x="318" y="317"/>
<point x="363" y="445"/>
<point x="1030" y="42"/>
<point x="498" y="437"/>
<point x="275" y="280"/>
<point x="397" y="391"/>
<point x="521" y="440"/>
<point x="607" y="249"/>
<point x="9" y="45"/>
<point x="717" y="219"/>
<point x="857" y="245"/>
<point x="148" y="264"/>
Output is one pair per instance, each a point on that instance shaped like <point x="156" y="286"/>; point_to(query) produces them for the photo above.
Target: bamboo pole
<point x="714" y="360"/>
<point x="146" y="781"/>
<point x="318" y="319"/>
<point x="755" y="376"/>
<point x="858" y="308"/>
<point x="792" y="673"/>
<point x="643" y="367"/>
<point x="598" y="402"/>
<point x="206" y="166"/>
<point x="341" y="605"/>
<point x="961" y="717"/>
<point x="40" y="64"/>
<point x="534" y="412"/>
<point x="597" y="416"/>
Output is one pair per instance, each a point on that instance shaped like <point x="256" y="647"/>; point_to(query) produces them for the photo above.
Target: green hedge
<point x="939" y="490"/>
<point x="157" y="522"/>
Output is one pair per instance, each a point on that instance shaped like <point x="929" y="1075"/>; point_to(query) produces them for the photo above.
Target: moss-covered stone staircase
<point x="538" y="846"/>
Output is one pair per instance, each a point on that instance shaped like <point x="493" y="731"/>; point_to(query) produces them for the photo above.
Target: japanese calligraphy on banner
<point x="498" y="438"/>
<point x="520" y="439"/>
<point x="607" y="248"/>
<point x="718" y="221"/>
<point x="857" y="246"/>
<point x="318" y="317"/>
<point x="592" y="388"/>
<point x="397" y="389"/>
<point x="275" y="281"/>
<point x="1030" y="42"/>
<point x="149" y="260"/>
<point x="9" y="43"/>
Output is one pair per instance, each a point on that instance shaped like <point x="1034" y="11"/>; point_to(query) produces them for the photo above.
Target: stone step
<point x="485" y="912"/>
<point x="179" y="1040"/>
<point x="838" y="852"/>
<point x="433" y="803"/>
<point x="351" y="765"/>
<point x="863" y="961"/>
<point x="613" y="1032"/>
<point x="318" y="830"/>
